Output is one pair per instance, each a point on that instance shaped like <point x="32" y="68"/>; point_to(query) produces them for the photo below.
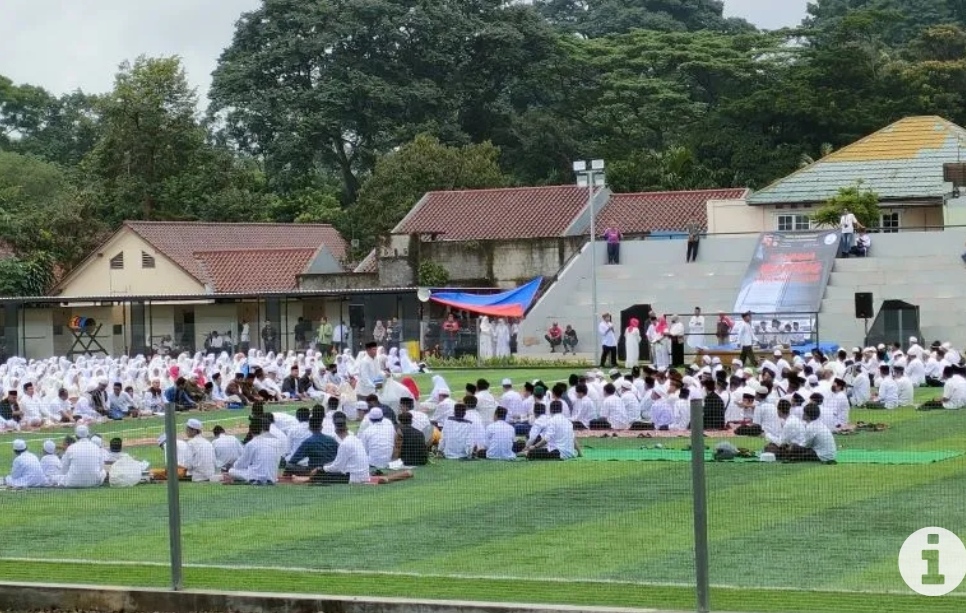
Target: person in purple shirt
<point x="613" y="238"/>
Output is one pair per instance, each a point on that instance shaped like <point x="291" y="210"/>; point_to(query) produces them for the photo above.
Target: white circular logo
<point x="932" y="561"/>
<point x="831" y="238"/>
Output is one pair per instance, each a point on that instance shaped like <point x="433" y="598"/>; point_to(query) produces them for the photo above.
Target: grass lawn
<point x="784" y="538"/>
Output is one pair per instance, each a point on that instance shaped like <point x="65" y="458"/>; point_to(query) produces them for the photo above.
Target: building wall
<point x="734" y="216"/>
<point x="340" y="281"/>
<point x="503" y="263"/>
<point x="38" y="335"/>
<point x="96" y="278"/>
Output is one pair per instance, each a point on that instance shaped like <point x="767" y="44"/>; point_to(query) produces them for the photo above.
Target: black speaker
<point x="863" y="305"/>
<point x="357" y="316"/>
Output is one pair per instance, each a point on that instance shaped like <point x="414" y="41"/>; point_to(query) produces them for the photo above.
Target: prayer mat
<point x="846" y="456"/>
<point x="645" y="434"/>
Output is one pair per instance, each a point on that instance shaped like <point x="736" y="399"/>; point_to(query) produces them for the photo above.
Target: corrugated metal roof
<point x="901" y="161"/>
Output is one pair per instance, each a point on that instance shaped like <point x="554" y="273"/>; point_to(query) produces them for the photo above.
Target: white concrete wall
<point x="651" y="272"/>
<point x="922" y="268"/>
<point x="38" y="333"/>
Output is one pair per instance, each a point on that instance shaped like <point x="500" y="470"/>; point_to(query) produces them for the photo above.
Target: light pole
<point x="591" y="175"/>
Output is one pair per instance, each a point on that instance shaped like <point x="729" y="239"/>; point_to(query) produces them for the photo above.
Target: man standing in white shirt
<point x="746" y="339"/>
<point x="608" y="341"/>
<point x="847" y="224"/>
<point x="369" y="373"/>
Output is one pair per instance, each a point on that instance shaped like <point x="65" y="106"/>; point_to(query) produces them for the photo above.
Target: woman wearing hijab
<point x="502" y="338"/>
<point x="379" y="332"/>
<point x="486" y="338"/>
<point x="406" y="365"/>
<point x="632" y="343"/>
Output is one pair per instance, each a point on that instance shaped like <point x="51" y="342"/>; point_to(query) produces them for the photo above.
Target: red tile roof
<point x="253" y="270"/>
<point x="180" y="241"/>
<point x="660" y="211"/>
<point x="493" y="214"/>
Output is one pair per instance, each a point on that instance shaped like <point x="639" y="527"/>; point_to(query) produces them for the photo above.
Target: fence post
<point x="174" y="501"/>
<point x="699" y="493"/>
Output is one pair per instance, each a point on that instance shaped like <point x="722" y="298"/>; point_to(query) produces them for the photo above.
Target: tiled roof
<point x="180" y="241"/>
<point x="369" y="264"/>
<point x="492" y="214"/>
<point x="253" y="270"/>
<point x="661" y="211"/>
<point x="901" y="161"/>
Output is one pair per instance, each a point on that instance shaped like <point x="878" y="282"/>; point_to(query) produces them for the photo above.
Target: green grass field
<point x="784" y="538"/>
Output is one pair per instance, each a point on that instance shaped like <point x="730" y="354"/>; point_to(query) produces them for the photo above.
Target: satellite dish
<point x="423" y="294"/>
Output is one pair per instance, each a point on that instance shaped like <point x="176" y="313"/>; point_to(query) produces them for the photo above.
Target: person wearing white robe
<point x="861" y="387"/>
<point x="696" y="330"/>
<point x="50" y="463"/>
<point x="904" y="384"/>
<point x="200" y="461"/>
<point x="378" y="439"/>
<point x="502" y="335"/>
<point x="658" y="349"/>
<point x="369" y="373"/>
<point x="259" y="460"/>
<point x="26" y="471"/>
<point x="486" y="340"/>
<point x="227" y="448"/>
<point x="406" y="365"/>
<point x="83" y="462"/>
<point x="632" y="343"/>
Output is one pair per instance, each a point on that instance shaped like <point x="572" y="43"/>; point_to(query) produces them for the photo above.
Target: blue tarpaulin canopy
<point x="513" y="303"/>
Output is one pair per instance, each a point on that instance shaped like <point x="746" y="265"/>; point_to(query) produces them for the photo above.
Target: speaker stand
<point x="866" y="320"/>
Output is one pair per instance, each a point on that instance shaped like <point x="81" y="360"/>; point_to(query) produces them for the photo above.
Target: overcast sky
<point x="63" y="45"/>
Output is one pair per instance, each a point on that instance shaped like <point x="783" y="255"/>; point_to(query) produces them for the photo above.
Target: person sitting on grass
<point x="558" y="441"/>
<point x="351" y="464"/>
<point x="227" y="448"/>
<point x="258" y="464"/>
<point x="500" y="439"/>
<point x="26" y="471"/>
<point x="200" y="462"/>
<point x="177" y="396"/>
<point x="819" y="444"/>
<point x="954" y="391"/>
<point x="792" y="432"/>
<point x="313" y="453"/>
<point x="411" y="442"/>
<point x="459" y="436"/>
<point x="887" y="396"/>
<point x="379" y="439"/>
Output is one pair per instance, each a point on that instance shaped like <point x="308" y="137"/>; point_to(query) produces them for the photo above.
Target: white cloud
<point x="63" y="45"/>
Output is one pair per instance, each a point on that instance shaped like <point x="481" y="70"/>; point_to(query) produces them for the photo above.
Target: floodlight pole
<point x="174" y="501"/>
<point x="700" y="511"/>
<point x="592" y="172"/>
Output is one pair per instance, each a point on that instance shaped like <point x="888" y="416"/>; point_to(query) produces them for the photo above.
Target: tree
<point x="862" y="203"/>
<point x="68" y="129"/>
<point x="910" y="16"/>
<point x="26" y="277"/>
<point x="404" y="176"/>
<point x="332" y="86"/>
<point x="596" y="18"/>
<point x="151" y="137"/>
<point x="42" y="212"/>
<point x="670" y="170"/>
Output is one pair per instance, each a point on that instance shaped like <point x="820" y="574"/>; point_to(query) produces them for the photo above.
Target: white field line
<point x="418" y="575"/>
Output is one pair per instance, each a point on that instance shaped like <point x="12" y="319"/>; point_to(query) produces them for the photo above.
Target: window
<point x="889" y="222"/>
<point x="117" y="262"/>
<point x="791" y="222"/>
<point x="147" y="260"/>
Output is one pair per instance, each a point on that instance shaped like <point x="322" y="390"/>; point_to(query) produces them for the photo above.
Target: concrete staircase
<point x="922" y="268"/>
<point x="651" y="272"/>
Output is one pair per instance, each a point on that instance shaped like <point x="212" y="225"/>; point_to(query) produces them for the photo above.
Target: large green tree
<point x="331" y="86"/>
<point x="595" y="18"/>
<point x="401" y="178"/>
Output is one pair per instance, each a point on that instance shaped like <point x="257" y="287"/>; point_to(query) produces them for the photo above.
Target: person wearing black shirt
<point x="412" y="450"/>
<point x="320" y="449"/>
<point x="714" y="408"/>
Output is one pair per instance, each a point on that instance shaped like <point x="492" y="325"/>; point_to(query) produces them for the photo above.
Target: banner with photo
<point x="788" y="272"/>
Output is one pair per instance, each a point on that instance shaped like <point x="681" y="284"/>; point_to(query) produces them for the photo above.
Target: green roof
<point x="901" y="161"/>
